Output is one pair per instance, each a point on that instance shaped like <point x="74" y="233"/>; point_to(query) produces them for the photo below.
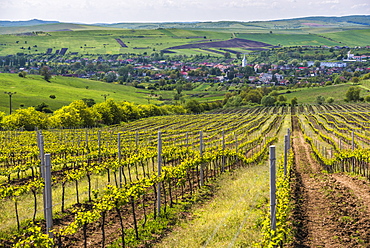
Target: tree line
<point x="79" y="114"/>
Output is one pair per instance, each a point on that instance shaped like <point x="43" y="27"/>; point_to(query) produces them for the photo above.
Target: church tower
<point x="244" y="61"/>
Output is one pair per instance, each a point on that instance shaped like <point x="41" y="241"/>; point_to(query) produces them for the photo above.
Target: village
<point x="158" y="69"/>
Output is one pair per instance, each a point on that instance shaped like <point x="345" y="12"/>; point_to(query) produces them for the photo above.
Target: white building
<point x="244" y="62"/>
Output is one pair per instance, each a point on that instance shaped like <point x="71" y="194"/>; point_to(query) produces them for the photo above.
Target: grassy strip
<point x="229" y="219"/>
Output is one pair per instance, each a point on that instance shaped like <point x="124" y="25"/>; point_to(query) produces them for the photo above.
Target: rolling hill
<point x="36" y="36"/>
<point x="33" y="90"/>
<point x="296" y="25"/>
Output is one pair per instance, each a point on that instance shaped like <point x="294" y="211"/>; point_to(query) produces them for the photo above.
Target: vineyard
<point x="120" y="186"/>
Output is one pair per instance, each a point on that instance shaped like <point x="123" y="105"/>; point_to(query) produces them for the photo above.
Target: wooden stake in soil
<point x="223" y="149"/>
<point x="273" y="187"/>
<point x="286" y="148"/>
<point x="48" y="198"/>
<point x="159" y="172"/>
<point x="353" y="140"/>
<point x="119" y="158"/>
<point x="201" y="154"/>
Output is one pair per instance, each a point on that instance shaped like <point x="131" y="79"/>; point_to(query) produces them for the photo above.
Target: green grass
<point x="351" y="38"/>
<point x="229" y="219"/>
<point x="101" y="40"/>
<point x="289" y="39"/>
<point x="33" y="90"/>
<point x="309" y="95"/>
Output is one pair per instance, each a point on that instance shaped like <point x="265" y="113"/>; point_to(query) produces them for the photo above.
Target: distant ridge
<point x="309" y="24"/>
<point x="32" y="22"/>
<point x="357" y="19"/>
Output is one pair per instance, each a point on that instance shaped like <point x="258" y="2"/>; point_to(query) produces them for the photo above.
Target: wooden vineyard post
<point x="48" y="197"/>
<point x="273" y="187"/>
<point x="286" y="150"/>
<point x="223" y="149"/>
<point x="119" y="159"/>
<point x="40" y="143"/>
<point x="99" y="142"/>
<point x="159" y="172"/>
<point x="87" y="138"/>
<point x="201" y="155"/>
<point x="353" y="140"/>
<point x="289" y="134"/>
<point x="137" y="141"/>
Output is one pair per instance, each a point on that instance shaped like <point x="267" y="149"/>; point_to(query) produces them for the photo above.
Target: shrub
<point x="330" y="100"/>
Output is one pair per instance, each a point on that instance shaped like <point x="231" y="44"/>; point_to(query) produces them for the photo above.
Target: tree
<point x="193" y="106"/>
<point x="355" y="80"/>
<point x="282" y="98"/>
<point x="294" y="62"/>
<point x="89" y="101"/>
<point x="317" y="63"/>
<point x="45" y="72"/>
<point x="253" y="96"/>
<point x="320" y="100"/>
<point x="110" y="77"/>
<point x="110" y="112"/>
<point x="22" y="74"/>
<point x="234" y="101"/>
<point x="179" y="88"/>
<point x="43" y="107"/>
<point x="77" y="114"/>
<point x="227" y="55"/>
<point x="268" y="100"/>
<point x="330" y="100"/>
<point x="28" y="119"/>
<point x="353" y="94"/>
<point x="294" y="101"/>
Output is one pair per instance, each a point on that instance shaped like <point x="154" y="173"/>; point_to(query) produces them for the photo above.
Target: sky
<point x="115" y="11"/>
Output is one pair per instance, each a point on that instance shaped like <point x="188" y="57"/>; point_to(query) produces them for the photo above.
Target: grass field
<point x="338" y="92"/>
<point x="33" y="90"/>
<point x="289" y="39"/>
<point x="88" y="41"/>
<point x="103" y="41"/>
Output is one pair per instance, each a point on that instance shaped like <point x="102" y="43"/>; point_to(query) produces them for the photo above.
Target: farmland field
<point x="110" y="177"/>
<point x="154" y="40"/>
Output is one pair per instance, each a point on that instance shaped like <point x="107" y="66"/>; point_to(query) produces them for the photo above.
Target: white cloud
<point x="357" y="6"/>
<point x="330" y="2"/>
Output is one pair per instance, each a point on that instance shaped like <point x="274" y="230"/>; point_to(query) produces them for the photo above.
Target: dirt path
<point x="332" y="210"/>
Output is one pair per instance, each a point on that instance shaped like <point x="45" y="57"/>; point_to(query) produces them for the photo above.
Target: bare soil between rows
<point x="332" y="210"/>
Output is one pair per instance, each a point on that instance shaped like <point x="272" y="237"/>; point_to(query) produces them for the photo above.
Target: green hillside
<point x="338" y="92"/>
<point x="50" y="27"/>
<point x="155" y="40"/>
<point x="33" y="37"/>
<point x="104" y="41"/>
<point x="290" y="39"/>
<point x="33" y="90"/>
